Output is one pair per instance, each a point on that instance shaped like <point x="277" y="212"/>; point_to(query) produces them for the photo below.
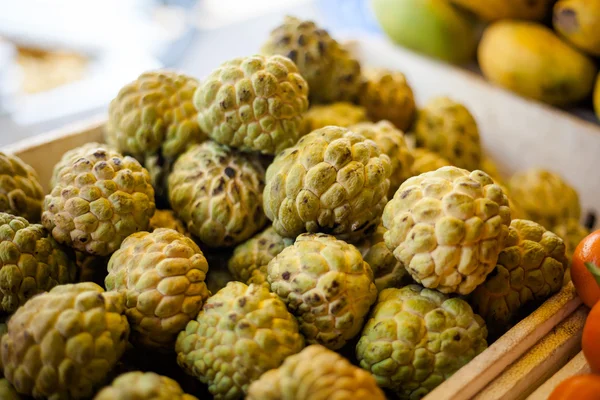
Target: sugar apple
<point x="253" y="103"/>
<point x="62" y="344"/>
<point x="7" y="391"/>
<point x="571" y="232"/>
<point x="31" y="262"/>
<point x="91" y="268"/>
<point x="241" y="332"/>
<point x="333" y="181"/>
<point x="138" y="385"/>
<point x="338" y="114"/>
<point x="167" y="219"/>
<point x="315" y="373"/>
<point x="516" y="211"/>
<point x="447" y="228"/>
<point x="326" y="284"/>
<point x="427" y="161"/>
<point x="70" y="156"/>
<point x="218" y="194"/>
<point x="530" y="268"/>
<point x="387" y="95"/>
<point x="259" y="276"/>
<point x="331" y="72"/>
<point x="162" y="275"/>
<point x="391" y="142"/>
<point x="256" y="252"/>
<point x="448" y="128"/>
<point x="387" y="270"/>
<point x="21" y="193"/>
<point x="417" y="338"/>
<point x="154" y="115"/>
<point x="545" y="196"/>
<point x="101" y="198"/>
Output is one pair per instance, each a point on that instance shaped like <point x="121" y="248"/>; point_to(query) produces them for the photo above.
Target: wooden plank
<point x="474" y="376"/>
<point x="540" y="362"/>
<point x="577" y="366"/>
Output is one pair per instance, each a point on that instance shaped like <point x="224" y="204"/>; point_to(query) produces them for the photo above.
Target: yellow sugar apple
<point x="70" y="156"/>
<point x="326" y="284"/>
<point x="218" y="194"/>
<point x="341" y="114"/>
<point x="333" y="181"/>
<point x="62" y="344"/>
<point x="167" y="219"/>
<point x="7" y="391"/>
<point x="416" y="338"/>
<point x="241" y="332"/>
<point x="253" y="103"/>
<point x="427" y="161"/>
<point x="571" y="232"/>
<point x="447" y="228"/>
<point x="139" y="385"/>
<point x="162" y="275"/>
<point x="315" y="373"/>
<point x="21" y="193"/>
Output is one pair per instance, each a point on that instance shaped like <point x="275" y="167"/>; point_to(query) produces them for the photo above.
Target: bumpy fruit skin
<point x="99" y="200"/>
<point x="167" y="219"/>
<point x="417" y="338"/>
<point x="332" y="74"/>
<point x="253" y="103"/>
<point x="218" y="194"/>
<point x="259" y="276"/>
<point x="241" y="332"/>
<point x="427" y="161"/>
<point x="62" y="344"/>
<point x="31" y="262"/>
<point x="530" y="60"/>
<point x="492" y="10"/>
<point x="7" y="391"/>
<point x="315" y="373"/>
<point x="71" y="156"/>
<point x="138" y="385"/>
<point x="154" y="114"/>
<point x="545" y="196"/>
<point x="21" y="193"/>
<point x="256" y="252"/>
<point x="391" y="142"/>
<point x="571" y="232"/>
<point x="447" y="227"/>
<point x="387" y="95"/>
<point x="448" y="128"/>
<point x="579" y="22"/>
<point x="333" y="181"/>
<point x="326" y="284"/>
<point x="387" y="270"/>
<point x="530" y="268"/>
<point x="341" y="114"/>
<point x="162" y="276"/>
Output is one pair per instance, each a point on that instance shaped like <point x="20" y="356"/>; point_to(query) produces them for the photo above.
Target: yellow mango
<point x="493" y="10"/>
<point x="579" y="22"/>
<point x="529" y="59"/>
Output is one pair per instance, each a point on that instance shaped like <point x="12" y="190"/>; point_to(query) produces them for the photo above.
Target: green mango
<point x="432" y="27"/>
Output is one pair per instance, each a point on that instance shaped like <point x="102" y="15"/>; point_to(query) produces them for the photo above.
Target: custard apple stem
<point x="594" y="270"/>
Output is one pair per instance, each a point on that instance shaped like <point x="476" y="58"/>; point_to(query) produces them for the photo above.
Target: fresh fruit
<point x="256" y="252"/>
<point x="241" y="332"/>
<point x="579" y="22"/>
<point x="447" y="228"/>
<point x="387" y="95"/>
<point x="315" y="373"/>
<point x="138" y="385"/>
<point x="21" y="193"/>
<point x="259" y="276"/>
<point x="427" y="161"/>
<point x="31" y="262"/>
<point x="448" y="128"/>
<point x="577" y="387"/>
<point x="416" y="338"/>
<point x="516" y="211"/>
<point x="99" y="200"/>
<point x="70" y="156"/>
<point x="167" y="219"/>
<point x="62" y="344"/>
<point x="589" y="341"/>
<point x="391" y="142"/>
<point x="530" y="268"/>
<point x="492" y="10"/>
<point x="587" y="251"/>
<point x="7" y="391"/>
<point x="218" y="194"/>
<point x="162" y="276"/>
<point x="333" y="181"/>
<point x="331" y="72"/>
<point x="431" y="27"/>
<point x="253" y="103"/>
<point x="339" y="114"/>
<point x="545" y="196"/>
<point x="326" y="284"/>
<point x="530" y="60"/>
<point x="154" y="115"/>
<point x="571" y="232"/>
<point x="387" y="271"/>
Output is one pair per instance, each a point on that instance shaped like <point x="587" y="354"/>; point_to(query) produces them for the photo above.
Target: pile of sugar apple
<point x="289" y="227"/>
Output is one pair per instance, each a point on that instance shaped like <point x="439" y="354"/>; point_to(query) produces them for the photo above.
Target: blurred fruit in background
<point x="493" y="10"/>
<point x="579" y="22"/>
